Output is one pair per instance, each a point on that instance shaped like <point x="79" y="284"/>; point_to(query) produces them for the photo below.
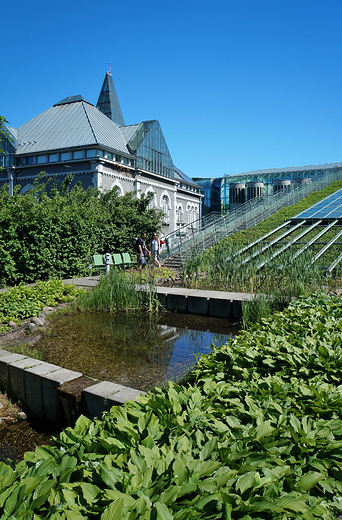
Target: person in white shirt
<point x="155" y="249"/>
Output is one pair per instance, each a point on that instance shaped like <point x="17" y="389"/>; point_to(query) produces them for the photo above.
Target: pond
<point x="137" y="351"/>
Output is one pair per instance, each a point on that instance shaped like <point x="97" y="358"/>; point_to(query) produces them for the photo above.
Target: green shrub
<point x="47" y="233"/>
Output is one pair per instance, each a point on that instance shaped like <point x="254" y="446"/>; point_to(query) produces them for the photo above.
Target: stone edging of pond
<point x="51" y="392"/>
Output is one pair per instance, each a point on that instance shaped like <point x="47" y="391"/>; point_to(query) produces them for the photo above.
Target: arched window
<point x="153" y="202"/>
<point x="166" y="207"/>
<point x="120" y="188"/>
<point x="188" y="214"/>
<point x="179" y="214"/>
<point x="195" y="218"/>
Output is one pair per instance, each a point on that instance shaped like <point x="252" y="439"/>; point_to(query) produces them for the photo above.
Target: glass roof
<point x="326" y="209"/>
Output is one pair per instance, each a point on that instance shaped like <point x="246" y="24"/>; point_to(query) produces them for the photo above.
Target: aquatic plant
<point x="121" y="290"/>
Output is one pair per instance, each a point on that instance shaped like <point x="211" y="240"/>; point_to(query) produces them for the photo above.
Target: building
<point x="226" y="193"/>
<point x="95" y="145"/>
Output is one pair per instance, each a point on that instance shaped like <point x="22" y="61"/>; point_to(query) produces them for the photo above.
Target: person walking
<point x="143" y="252"/>
<point x="155" y="248"/>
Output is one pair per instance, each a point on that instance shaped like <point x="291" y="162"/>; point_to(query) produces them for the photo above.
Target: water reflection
<point x="137" y="351"/>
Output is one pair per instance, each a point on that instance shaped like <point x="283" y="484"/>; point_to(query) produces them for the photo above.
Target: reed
<point x="121" y="291"/>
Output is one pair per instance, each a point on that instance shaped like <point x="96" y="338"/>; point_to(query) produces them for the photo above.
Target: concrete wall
<point x="56" y="394"/>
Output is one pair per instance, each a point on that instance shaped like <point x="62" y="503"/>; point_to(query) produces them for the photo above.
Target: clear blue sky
<point x="236" y="85"/>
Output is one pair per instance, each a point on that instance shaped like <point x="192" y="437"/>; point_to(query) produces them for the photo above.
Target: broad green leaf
<point x="180" y="471"/>
<point x="246" y="481"/>
<point x="90" y="491"/>
<point x="175" y="400"/>
<point x="295" y="423"/>
<point x="82" y="424"/>
<point x="309" y="480"/>
<point x="294" y="504"/>
<point x="204" y="469"/>
<point x="115" y="511"/>
<point x="208" y="448"/>
<point x="163" y="512"/>
<point x="69" y="495"/>
<point x="72" y="515"/>
<point x="264" y="429"/>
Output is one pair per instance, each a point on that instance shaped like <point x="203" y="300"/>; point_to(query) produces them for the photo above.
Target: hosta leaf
<point x="163" y="512"/>
<point x="309" y="480"/>
<point x="14" y="499"/>
<point x="169" y="495"/>
<point x="246" y="481"/>
<point x="208" y="448"/>
<point x="115" y="511"/>
<point x="82" y="424"/>
<point x="294" y="504"/>
<point x="175" y="400"/>
<point x="264" y="429"/>
<point x="295" y="423"/>
<point x="109" y="476"/>
<point x="90" y="491"/>
<point x="180" y="471"/>
<point x="69" y="495"/>
<point x="72" y="515"/>
<point x="258" y="504"/>
<point x="204" y="469"/>
<point x="114" y="494"/>
<point x="232" y="421"/>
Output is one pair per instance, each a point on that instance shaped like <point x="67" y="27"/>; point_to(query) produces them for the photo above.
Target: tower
<point x="108" y="102"/>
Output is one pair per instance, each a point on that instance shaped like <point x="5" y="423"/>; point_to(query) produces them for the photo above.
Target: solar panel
<point x="326" y="209"/>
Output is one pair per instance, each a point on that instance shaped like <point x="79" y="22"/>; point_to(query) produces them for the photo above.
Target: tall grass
<point x="274" y="285"/>
<point x="121" y="291"/>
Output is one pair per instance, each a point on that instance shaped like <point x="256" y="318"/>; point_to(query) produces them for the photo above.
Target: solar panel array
<point x="329" y="209"/>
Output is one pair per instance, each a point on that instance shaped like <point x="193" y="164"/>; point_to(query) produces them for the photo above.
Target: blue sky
<point x="236" y="85"/>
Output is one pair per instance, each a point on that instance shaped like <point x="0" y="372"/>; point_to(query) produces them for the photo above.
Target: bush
<point x="48" y="233"/>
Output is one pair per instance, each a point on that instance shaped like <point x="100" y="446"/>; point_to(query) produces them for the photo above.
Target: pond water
<point x="137" y="351"/>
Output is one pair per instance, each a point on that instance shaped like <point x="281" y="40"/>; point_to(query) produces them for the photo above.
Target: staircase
<point x="173" y="262"/>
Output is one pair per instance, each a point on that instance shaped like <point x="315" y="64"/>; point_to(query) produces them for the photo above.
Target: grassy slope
<point x="248" y="235"/>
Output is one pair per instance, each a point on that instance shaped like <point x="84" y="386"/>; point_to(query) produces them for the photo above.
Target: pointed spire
<point x="108" y="101"/>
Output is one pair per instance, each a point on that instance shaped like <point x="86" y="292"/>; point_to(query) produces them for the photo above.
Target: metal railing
<point x="208" y="231"/>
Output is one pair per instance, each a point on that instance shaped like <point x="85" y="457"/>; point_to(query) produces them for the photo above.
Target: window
<point x="152" y="203"/>
<point x="166" y="209"/>
<point x="52" y="157"/>
<point x="65" y="156"/>
<point x="179" y="214"/>
<point x="78" y="154"/>
<point x="91" y="153"/>
<point x="41" y="159"/>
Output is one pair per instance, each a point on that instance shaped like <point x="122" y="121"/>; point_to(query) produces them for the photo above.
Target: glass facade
<point x="8" y="146"/>
<point x="150" y="148"/>
<point x="216" y="190"/>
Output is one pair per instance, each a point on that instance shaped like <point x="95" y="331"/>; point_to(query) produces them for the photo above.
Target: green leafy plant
<point x="255" y="433"/>
<point x="22" y="301"/>
<point x="53" y="232"/>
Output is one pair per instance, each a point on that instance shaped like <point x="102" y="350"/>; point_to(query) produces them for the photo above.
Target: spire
<point x="108" y="102"/>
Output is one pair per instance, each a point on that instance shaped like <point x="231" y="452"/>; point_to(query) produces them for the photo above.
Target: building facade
<point x="227" y="193"/>
<point x="99" y="150"/>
